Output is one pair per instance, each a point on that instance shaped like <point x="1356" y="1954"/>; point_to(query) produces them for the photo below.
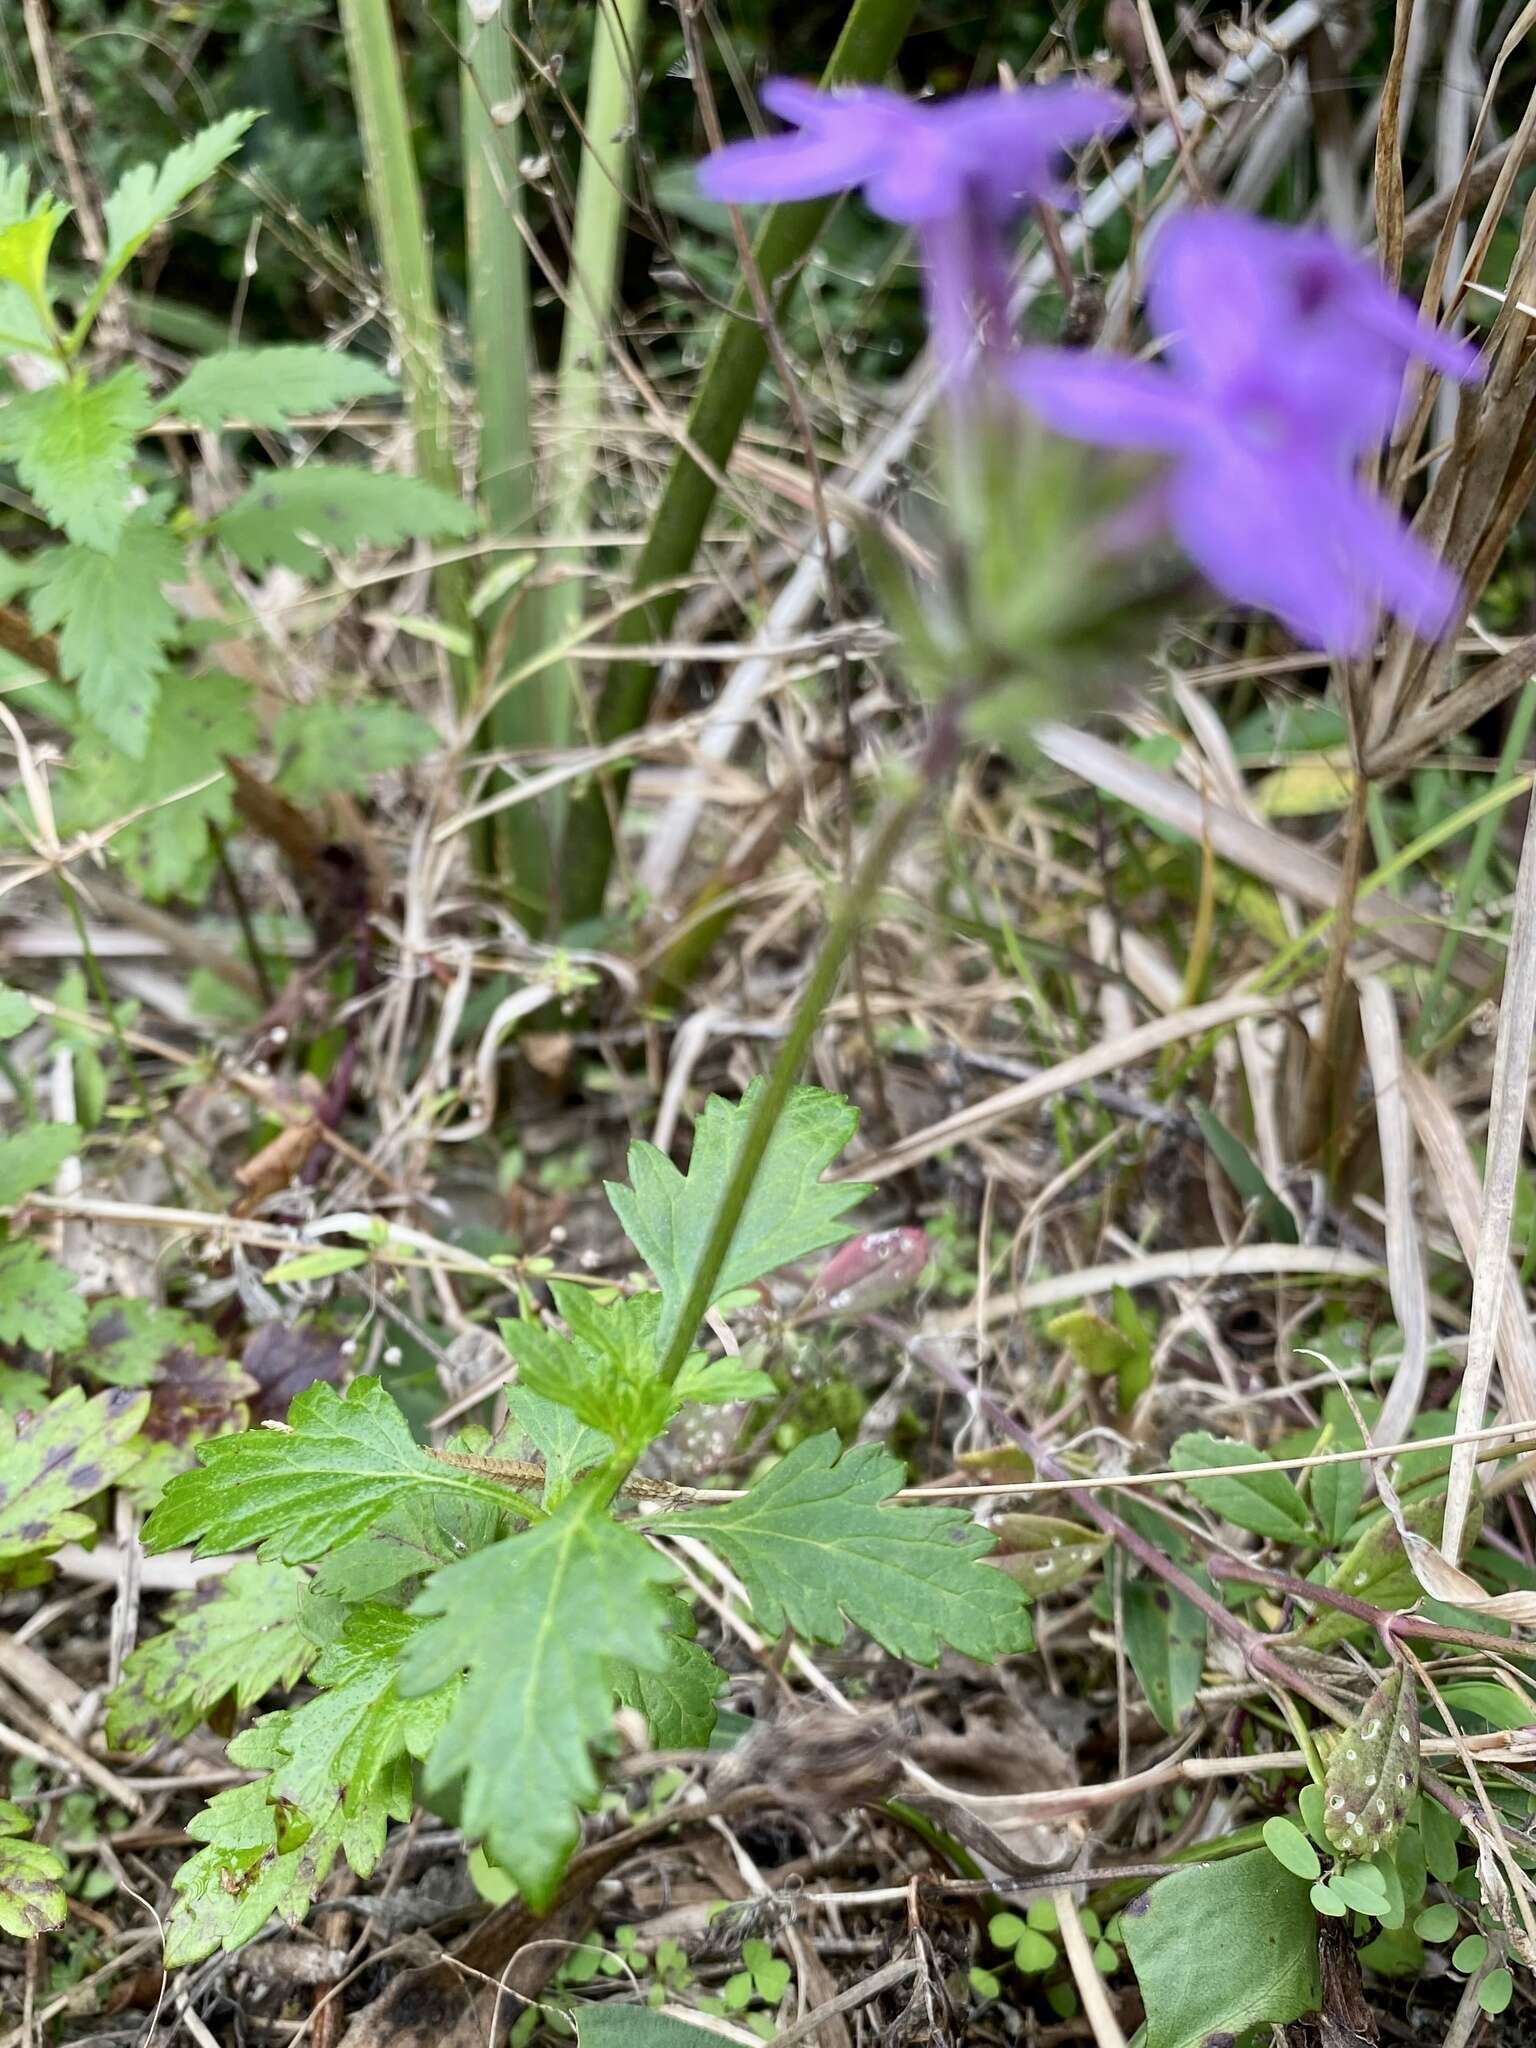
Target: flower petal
<point x="843" y="140"/>
<point x="1104" y="400"/>
<point x="1212" y="293"/>
<point x="1010" y="143"/>
<point x="1288" y="535"/>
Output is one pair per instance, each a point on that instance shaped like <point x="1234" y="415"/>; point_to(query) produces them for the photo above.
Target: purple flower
<point x="957" y="171"/>
<point x="1286" y="357"/>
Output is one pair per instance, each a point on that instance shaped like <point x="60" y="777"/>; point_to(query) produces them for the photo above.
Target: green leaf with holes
<point x="1373" y="1772"/>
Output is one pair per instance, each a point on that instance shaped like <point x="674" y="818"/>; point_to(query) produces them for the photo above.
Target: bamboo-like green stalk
<point x="870" y="39"/>
<point x="405" y="257"/>
<point x="596" y="245"/>
<point x="502" y="349"/>
<point x="1470" y="879"/>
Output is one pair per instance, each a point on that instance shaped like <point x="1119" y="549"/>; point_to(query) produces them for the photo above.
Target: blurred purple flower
<point x="1286" y="359"/>
<point x="956" y="171"/>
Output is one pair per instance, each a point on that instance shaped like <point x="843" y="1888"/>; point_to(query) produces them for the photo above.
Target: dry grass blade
<point x="1199" y="1262"/>
<point x="1450" y="1161"/>
<point x="1389" y="161"/>
<point x="1102" y="1058"/>
<point x="1255" y="848"/>
<point x="1506" y="1135"/>
<point x="1405" y="1258"/>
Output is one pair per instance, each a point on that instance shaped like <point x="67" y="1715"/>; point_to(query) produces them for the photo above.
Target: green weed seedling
<point x="379" y="1568"/>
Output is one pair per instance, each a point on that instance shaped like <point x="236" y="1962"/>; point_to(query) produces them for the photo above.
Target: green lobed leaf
<point x="1373" y="1772"/>
<point x="40" y="1303"/>
<point x="338" y="1771"/>
<point x="291" y="515"/>
<point x="789" y="1213"/>
<point x="714" y="1380"/>
<point x="32" y="1898"/>
<point x="181" y="787"/>
<point x="149" y="194"/>
<point x="605" y="1372"/>
<point x="565" y="1443"/>
<point x="268" y="387"/>
<point x="568" y="1596"/>
<point x="114" y="625"/>
<point x="1165" y="1637"/>
<point x="262" y="1858"/>
<point x="237" y="1638"/>
<point x="341" y="1464"/>
<point x="1251" y="1914"/>
<point x="813" y="1543"/>
<point x="341" y="1741"/>
<point x="26" y="242"/>
<point x="128" y="1340"/>
<point x="678" y="1699"/>
<point x="52" y="1462"/>
<point x="326" y="746"/>
<point x="1256" y="1497"/>
<point x="72" y="444"/>
<point x="30" y="1158"/>
<point x="416" y="1536"/>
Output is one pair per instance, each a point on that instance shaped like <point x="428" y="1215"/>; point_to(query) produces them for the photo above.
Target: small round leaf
<point x="1469" y="1954"/>
<point x="1437" y="1923"/>
<point x="1034" y="1953"/>
<point x="1288" y="1845"/>
<point x="1495" y="1991"/>
<point x="1005" y="1929"/>
<point x="1328" y="1901"/>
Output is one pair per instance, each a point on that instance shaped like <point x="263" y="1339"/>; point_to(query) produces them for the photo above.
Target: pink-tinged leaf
<point x="871" y="1271"/>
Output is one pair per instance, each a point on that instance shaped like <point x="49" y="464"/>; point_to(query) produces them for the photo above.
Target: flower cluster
<point x="957" y="172"/>
<point x="1284" y="352"/>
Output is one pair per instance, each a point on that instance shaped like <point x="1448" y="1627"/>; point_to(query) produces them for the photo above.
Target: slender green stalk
<point x="1470" y="880"/>
<point x="596" y="245"/>
<point x="870" y="39"/>
<point x="520" y="850"/>
<point x="890" y="830"/>
<point x="405" y="256"/>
